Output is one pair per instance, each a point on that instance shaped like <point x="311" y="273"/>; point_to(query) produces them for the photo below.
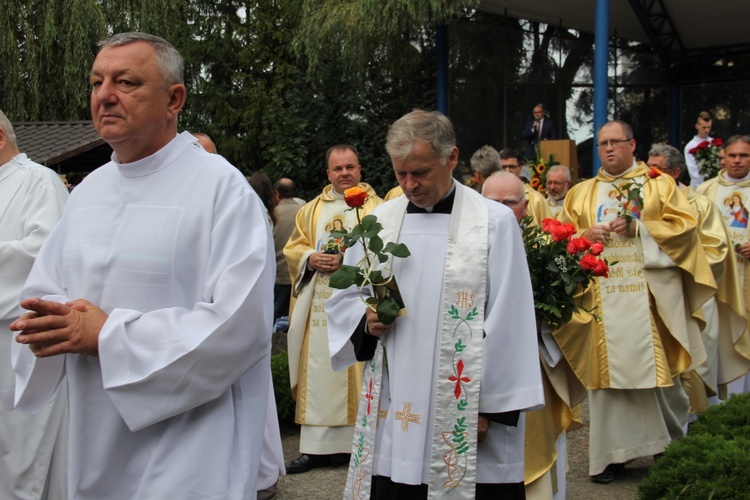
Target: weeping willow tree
<point x="360" y="31"/>
<point x="47" y="47"/>
<point x="274" y="82"/>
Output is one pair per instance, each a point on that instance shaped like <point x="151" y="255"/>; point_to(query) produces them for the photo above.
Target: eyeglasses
<point x="556" y="183"/>
<point x="338" y="169"/>
<point x="614" y="143"/>
<point x="510" y="203"/>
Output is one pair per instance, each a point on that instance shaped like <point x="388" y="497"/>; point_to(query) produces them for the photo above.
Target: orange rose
<point x="355" y="197"/>
<point x="654" y="172"/>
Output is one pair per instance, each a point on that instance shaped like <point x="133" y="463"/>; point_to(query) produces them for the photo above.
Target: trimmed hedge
<point x="285" y="405"/>
<point x="711" y="462"/>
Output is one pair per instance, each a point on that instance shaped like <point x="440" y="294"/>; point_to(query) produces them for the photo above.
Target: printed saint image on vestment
<point x="329" y="244"/>
<point x="734" y="211"/>
<point x="615" y="203"/>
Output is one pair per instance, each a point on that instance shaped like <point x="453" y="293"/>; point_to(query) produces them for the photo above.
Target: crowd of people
<point x="139" y="317"/>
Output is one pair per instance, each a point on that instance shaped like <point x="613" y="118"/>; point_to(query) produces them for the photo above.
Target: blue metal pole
<point x="442" y="68"/>
<point x="601" y="85"/>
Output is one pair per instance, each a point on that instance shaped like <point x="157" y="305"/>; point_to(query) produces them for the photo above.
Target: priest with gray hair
<point x="32" y="198"/>
<point x="152" y="298"/>
<point x="446" y="384"/>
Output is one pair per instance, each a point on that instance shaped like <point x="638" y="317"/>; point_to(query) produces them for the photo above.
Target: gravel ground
<point x="328" y="483"/>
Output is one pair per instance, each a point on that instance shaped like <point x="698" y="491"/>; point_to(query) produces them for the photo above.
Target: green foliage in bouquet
<point x="374" y="268"/>
<point x="559" y="264"/>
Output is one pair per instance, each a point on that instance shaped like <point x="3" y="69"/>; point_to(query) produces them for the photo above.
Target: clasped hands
<point x="52" y="328"/>
<point x="600" y="232"/>
<point x="324" y="262"/>
<point x="744" y="250"/>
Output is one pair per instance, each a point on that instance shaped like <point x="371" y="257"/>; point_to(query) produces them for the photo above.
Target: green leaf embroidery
<point x="454" y="312"/>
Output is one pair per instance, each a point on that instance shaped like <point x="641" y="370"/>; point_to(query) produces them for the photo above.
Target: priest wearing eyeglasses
<point x="639" y="329"/>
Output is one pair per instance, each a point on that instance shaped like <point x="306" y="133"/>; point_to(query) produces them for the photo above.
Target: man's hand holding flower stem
<point x="624" y="227"/>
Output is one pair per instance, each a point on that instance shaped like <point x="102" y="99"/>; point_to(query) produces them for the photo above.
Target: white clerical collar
<point x="19" y="159"/>
<point x="157" y="161"/>
<point x="732" y="179"/>
<point x="11" y="166"/>
<point x="632" y="167"/>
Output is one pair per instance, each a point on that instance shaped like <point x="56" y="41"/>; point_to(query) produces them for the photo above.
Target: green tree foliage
<point x="254" y="95"/>
<point x="46" y="54"/>
<point x="359" y="31"/>
<point x="48" y="46"/>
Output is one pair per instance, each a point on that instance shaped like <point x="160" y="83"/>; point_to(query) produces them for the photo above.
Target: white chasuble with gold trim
<point x="323" y="395"/>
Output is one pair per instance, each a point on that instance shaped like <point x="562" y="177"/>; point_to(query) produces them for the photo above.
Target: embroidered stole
<point x="312" y="297"/>
<point x="625" y="302"/>
<point x="454" y="440"/>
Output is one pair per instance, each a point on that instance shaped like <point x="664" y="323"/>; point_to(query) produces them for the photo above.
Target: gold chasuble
<point x="646" y="333"/>
<point x="393" y="193"/>
<point x="538" y="207"/>
<point x="323" y="397"/>
<point x="562" y="393"/>
<point x="731" y="198"/>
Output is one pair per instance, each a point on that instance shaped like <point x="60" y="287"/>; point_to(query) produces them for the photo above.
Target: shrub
<point x="711" y="462"/>
<point x="284" y="403"/>
<point x="730" y="419"/>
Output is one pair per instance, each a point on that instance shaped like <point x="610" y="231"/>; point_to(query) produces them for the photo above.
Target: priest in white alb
<point x="153" y="295"/>
<point x="445" y="385"/>
<point x="32" y="198"/>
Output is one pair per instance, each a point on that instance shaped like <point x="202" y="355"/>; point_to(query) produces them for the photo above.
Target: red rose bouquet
<point x="559" y="263"/>
<point x="374" y="268"/>
<point x="707" y="157"/>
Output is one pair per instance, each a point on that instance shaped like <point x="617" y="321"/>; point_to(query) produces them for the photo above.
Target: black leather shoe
<point x="608" y="474"/>
<point x="339" y="459"/>
<point x="306" y="462"/>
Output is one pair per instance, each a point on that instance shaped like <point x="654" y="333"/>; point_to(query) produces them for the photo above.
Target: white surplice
<point x="32" y="198"/>
<point x="177" y="250"/>
<point x="511" y="378"/>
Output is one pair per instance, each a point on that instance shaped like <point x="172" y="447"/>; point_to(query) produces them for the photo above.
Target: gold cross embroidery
<point x="382" y="414"/>
<point x="406" y="416"/>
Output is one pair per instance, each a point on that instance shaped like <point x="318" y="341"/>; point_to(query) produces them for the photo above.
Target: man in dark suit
<point x="536" y="130"/>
